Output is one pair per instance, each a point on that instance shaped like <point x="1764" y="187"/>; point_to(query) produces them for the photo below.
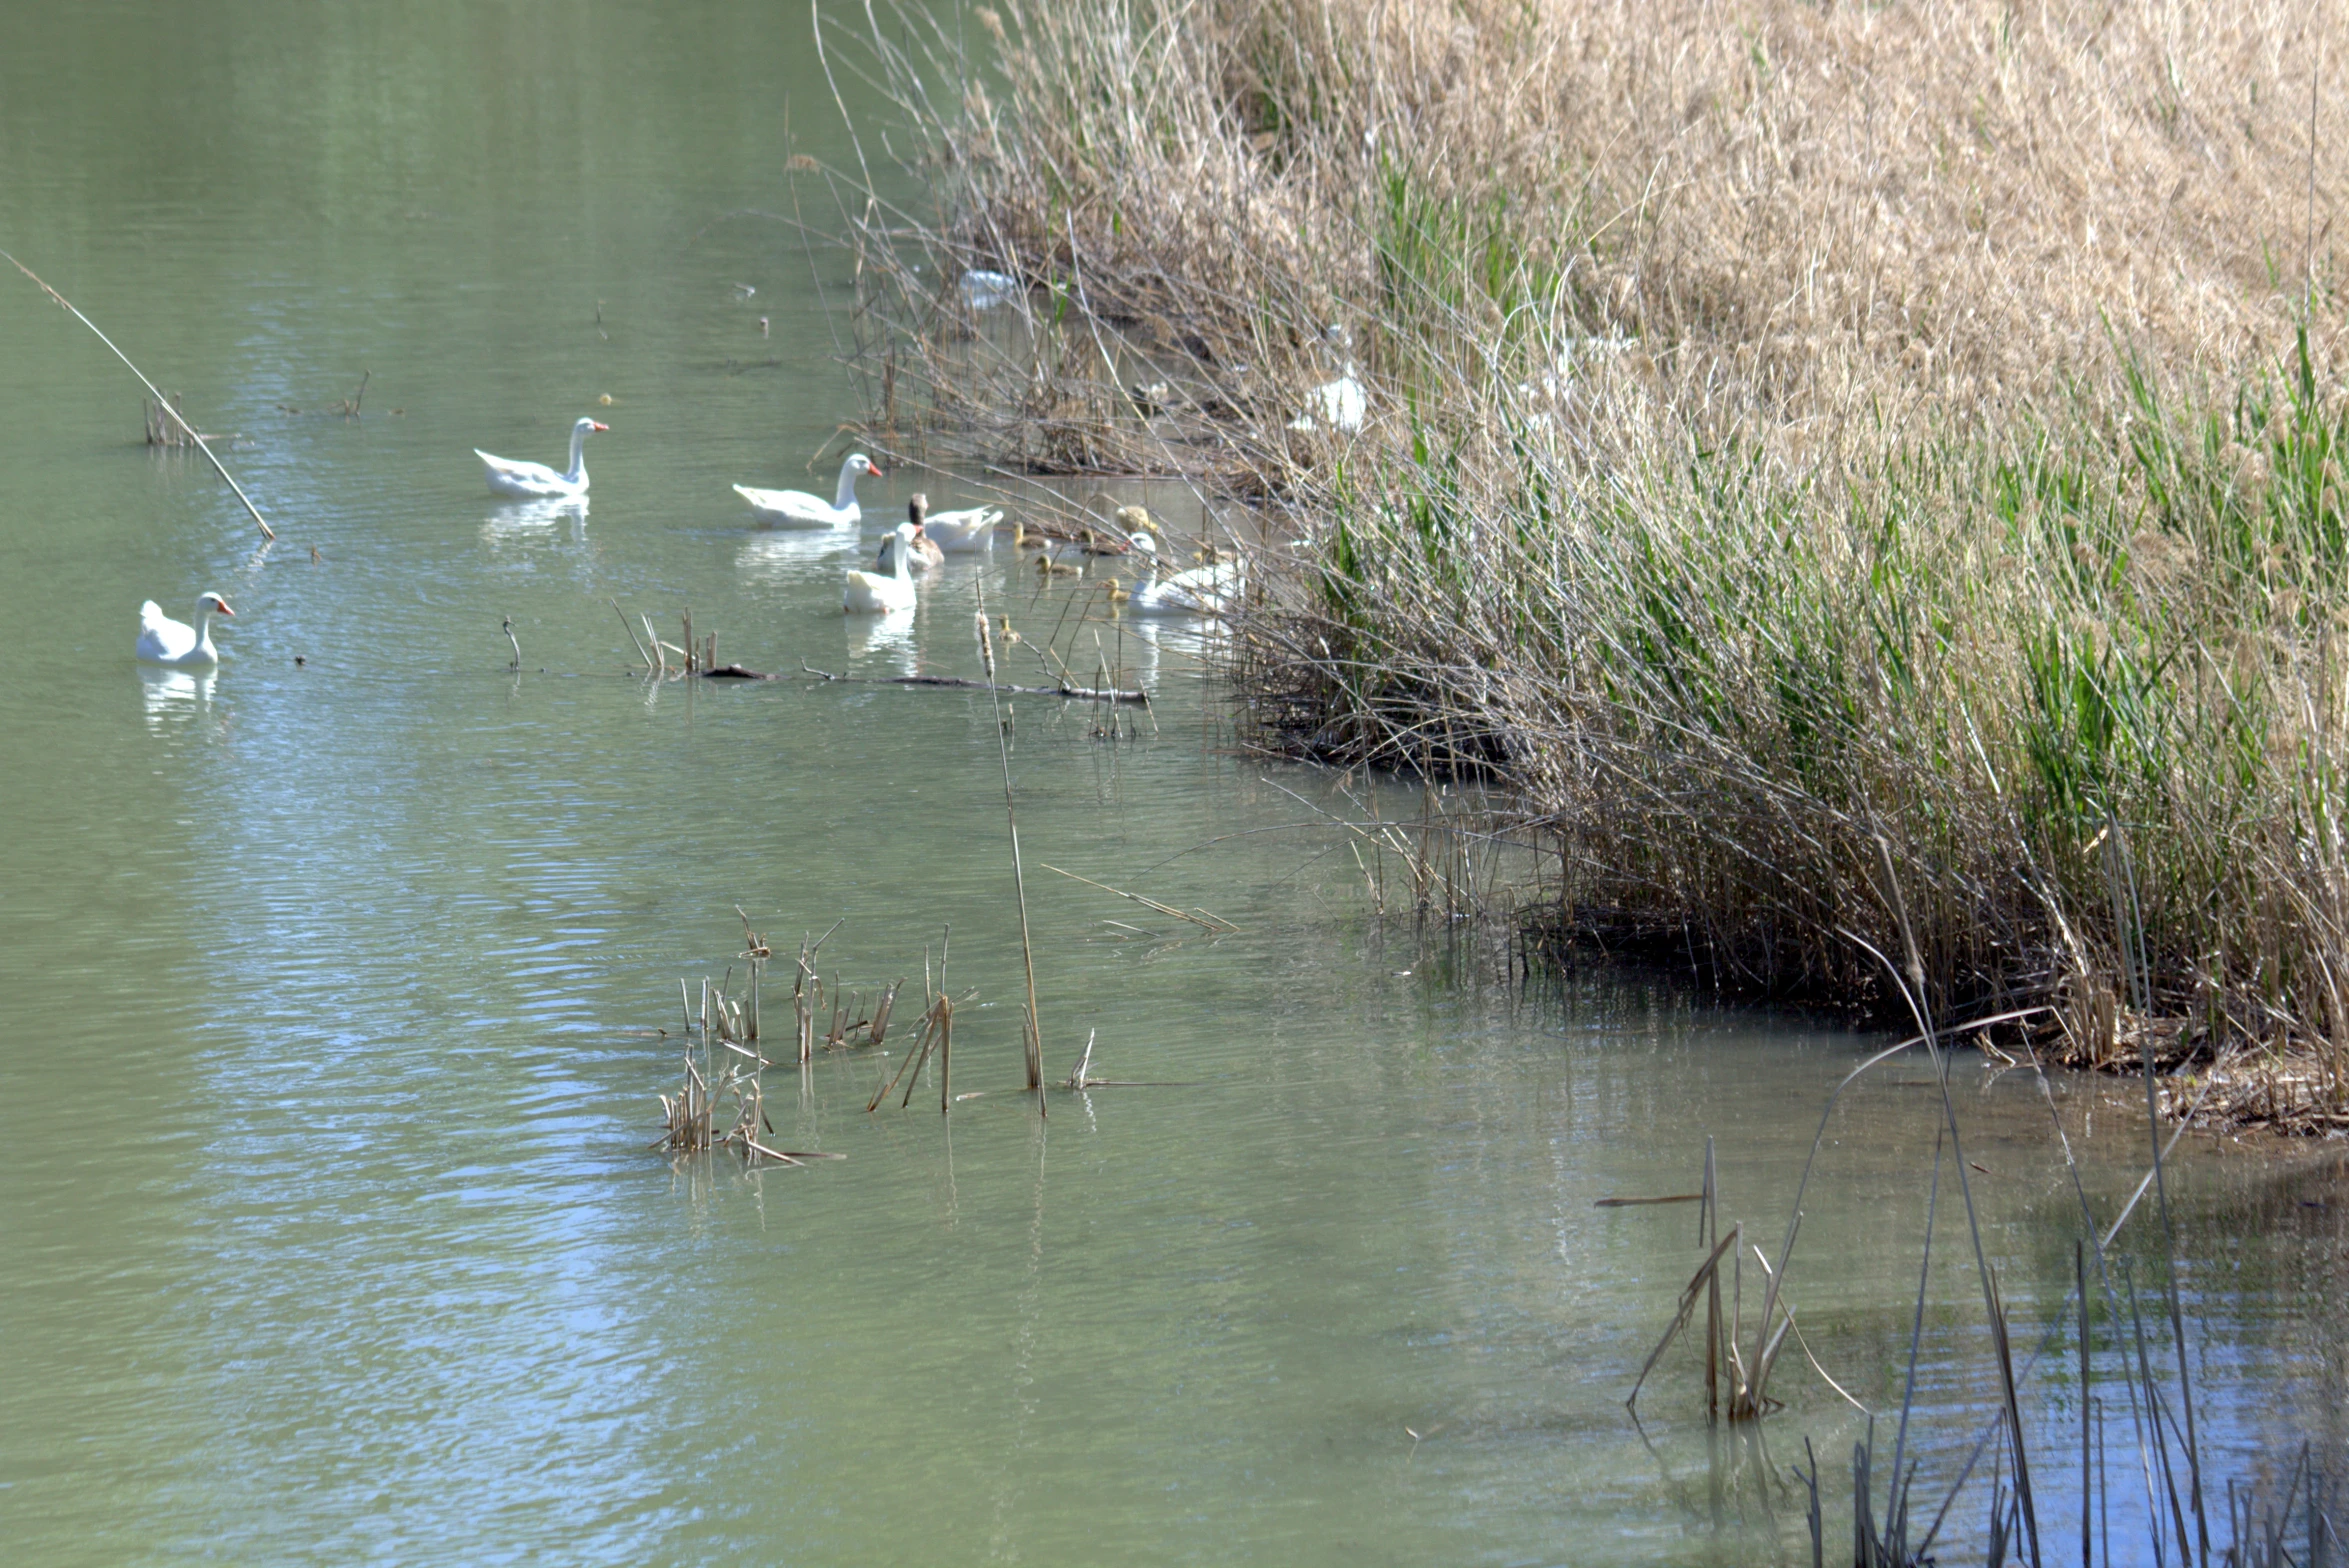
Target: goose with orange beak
<point x="512" y="476"/>
<point x="163" y="640"/>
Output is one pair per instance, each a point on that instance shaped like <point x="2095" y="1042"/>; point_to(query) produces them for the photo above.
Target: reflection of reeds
<point x="1891" y="1525"/>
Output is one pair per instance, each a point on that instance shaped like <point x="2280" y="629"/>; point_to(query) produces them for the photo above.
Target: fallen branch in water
<point x="1200" y="918"/>
<point x="735" y="672"/>
<point x="161" y="402"/>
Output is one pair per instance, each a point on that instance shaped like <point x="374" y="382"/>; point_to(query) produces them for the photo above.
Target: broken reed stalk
<point x="1078" y="1075"/>
<point x="640" y="653"/>
<point x="754" y="948"/>
<point x="161" y="402"/>
<point x="1200" y="918"/>
<point x="937" y="1037"/>
<point x="1035" y="1038"/>
<point x="946" y="1042"/>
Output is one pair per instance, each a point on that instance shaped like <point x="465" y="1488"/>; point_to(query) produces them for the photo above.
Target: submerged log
<point x="735" y="672"/>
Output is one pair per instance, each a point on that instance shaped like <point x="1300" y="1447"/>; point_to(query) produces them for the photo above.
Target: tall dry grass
<point x="1834" y="460"/>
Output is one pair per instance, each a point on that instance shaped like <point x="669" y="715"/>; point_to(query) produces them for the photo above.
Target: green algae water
<point x="332" y="985"/>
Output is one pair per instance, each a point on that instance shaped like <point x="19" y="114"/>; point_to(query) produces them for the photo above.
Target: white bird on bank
<point x="967" y="532"/>
<point x="1339" y="405"/>
<point x="511" y="476"/>
<point x="984" y="290"/>
<point x="798" y="509"/>
<point x="873" y="593"/>
<point x="163" y="640"/>
<point x="1203" y="590"/>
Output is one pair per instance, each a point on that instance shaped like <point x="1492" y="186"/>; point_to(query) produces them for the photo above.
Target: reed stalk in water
<point x="162" y="405"/>
<point x="1035" y="1034"/>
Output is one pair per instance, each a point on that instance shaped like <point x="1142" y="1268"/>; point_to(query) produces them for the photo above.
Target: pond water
<point x="331" y="986"/>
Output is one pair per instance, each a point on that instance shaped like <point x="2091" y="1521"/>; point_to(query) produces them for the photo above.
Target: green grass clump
<point x="2081" y="691"/>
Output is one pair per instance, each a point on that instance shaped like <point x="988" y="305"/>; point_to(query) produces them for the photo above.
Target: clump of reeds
<point x="720" y="1101"/>
<point x="698" y="654"/>
<point x="1778" y="446"/>
<point x="168" y="426"/>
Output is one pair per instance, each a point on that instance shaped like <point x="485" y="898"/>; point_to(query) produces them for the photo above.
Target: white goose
<point x="163" y="640"/>
<point x="798" y="509"/>
<point x="872" y="593"/>
<point x="967" y="532"/>
<point x="511" y="476"/>
<point x="984" y="290"/>
<point x="1203" y="590"/>
<point x="1339" y="405"/>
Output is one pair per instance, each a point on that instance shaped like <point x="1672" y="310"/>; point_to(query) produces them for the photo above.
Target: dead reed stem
<point x="163" y="404"/>
<point x="1034" y="1032"/>
<point x="1198" y="917"/>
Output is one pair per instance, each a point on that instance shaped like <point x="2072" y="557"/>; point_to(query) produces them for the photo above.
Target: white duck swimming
<point x="163" y="640"/>
<point x="872" y="593"/>
<point x="1203" y="590"/>
<point x="967" y="532"/>
<point x="511" y="476"/>
<point x="798" y="509"/>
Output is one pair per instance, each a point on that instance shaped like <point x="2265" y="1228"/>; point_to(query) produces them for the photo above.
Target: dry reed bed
<point x="1832" y="462"/>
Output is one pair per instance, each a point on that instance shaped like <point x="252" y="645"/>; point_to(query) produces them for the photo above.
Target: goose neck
<point x="578" y="470"/>
<point x="844" y="494"/>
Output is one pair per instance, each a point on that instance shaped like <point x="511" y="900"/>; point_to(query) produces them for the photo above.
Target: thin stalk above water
<point x="1035" y="1034"/>
<point x="163" y="402"/>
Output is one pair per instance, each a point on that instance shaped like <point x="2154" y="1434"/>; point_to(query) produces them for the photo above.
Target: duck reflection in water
<point x="882" y="644"/>
<point x="529" y="521"/>
<point x="174" y="697"/>
<point x="784" y="557"/>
